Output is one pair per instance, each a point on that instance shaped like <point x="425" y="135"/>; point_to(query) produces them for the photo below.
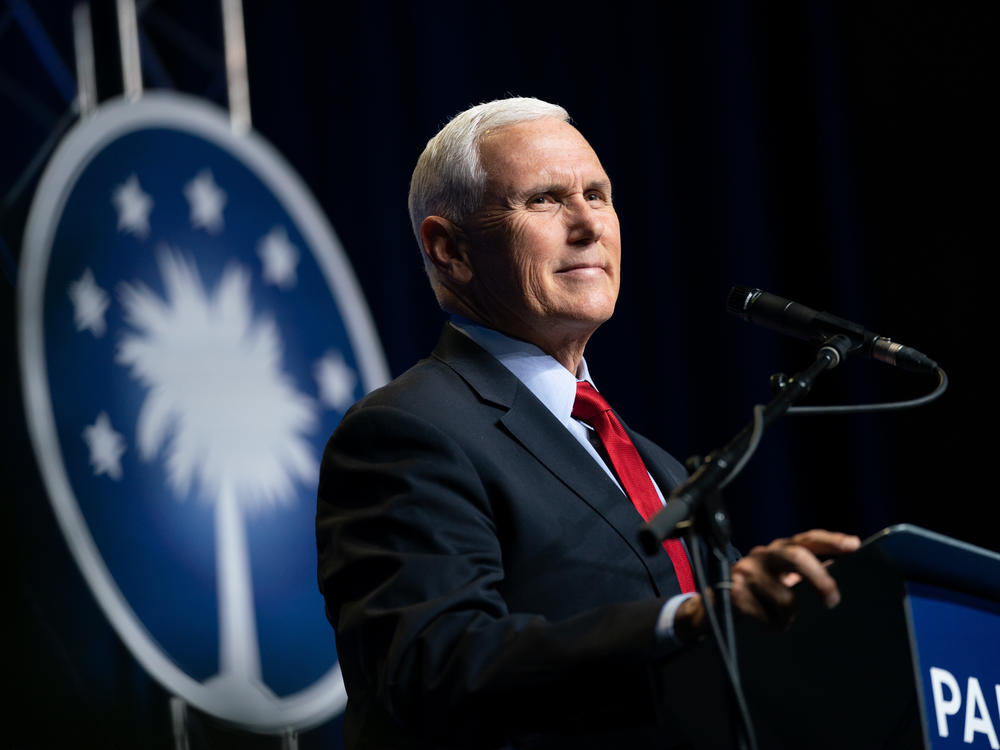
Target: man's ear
<point x="446" y="249"/>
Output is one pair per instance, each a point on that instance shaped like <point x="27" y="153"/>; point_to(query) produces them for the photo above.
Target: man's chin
<point x="581" y="321"/>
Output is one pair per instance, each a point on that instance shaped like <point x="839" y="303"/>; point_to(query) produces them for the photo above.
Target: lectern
<point x="909" y="659"/>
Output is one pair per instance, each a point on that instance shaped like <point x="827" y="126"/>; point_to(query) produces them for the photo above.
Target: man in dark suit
<point x="477" y="542"/>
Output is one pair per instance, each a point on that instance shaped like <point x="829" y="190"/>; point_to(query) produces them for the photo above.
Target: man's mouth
<point x="583" y="269"/>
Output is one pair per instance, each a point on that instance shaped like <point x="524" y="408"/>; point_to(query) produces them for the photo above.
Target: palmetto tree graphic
<point x="228" y="422"/>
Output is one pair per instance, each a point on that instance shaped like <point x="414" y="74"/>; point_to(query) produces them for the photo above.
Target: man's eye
<point x="539" y="200"/>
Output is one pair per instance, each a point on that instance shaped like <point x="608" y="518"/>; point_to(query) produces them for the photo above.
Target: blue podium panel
<point x="956" y="652"/>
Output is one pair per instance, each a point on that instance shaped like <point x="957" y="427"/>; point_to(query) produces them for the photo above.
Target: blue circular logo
<point x="191" y="333"/>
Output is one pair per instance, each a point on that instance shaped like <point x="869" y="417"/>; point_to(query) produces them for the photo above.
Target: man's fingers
<point x="762" y="585"/>
<point x="763" y="580"/>
<point x="790" y="579"/>
<point x="772" y="570"/>
<point x="823" y="542"/>
<point x="757" y="593"/>
<point x="801" y="561"/>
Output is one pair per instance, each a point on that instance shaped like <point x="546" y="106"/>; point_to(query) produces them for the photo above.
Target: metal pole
<point x="178" y="722"/>
<point x="83" y="47"/>
<point x="128" y="43"/>
<point x="290" y="739"/>
<point x="236" y="65"/>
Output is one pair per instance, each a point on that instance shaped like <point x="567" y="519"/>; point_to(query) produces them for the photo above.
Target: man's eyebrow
<point x="604" y="183"/>
<point x="543" y="187"/>
<point x="559" y="186"/>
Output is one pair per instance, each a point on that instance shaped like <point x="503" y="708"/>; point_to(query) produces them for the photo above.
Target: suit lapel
<point x="528" y="422"/>
<point x="665" y="469"/>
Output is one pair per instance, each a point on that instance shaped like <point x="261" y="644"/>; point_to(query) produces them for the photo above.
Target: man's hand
<point x="763" y="579"/>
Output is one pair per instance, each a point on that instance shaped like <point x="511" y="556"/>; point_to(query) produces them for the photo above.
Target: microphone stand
<point x="697" y="508"/>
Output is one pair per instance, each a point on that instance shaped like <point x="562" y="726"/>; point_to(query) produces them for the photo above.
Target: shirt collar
<point x="549" y="381"/>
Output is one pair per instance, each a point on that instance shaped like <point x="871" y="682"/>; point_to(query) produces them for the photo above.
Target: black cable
<point x="942" y="386"/>
<point x="755" y="436"/>
<point x="747" y="737"/>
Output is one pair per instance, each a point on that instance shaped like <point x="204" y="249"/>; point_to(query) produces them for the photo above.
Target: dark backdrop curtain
<point x="828" y="152"/>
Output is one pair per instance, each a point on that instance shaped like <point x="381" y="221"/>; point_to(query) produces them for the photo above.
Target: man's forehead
<point x="541" y="133"/>
<point x="546" y="148"/>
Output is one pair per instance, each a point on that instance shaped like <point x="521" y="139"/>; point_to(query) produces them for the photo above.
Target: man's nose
<point x="585" y="221"/>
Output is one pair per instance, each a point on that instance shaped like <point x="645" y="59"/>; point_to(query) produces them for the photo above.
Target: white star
<point x="207" y="201"/>
<point x="106" y="447"/>
<point x="336" y="380"/>
<point x="90" y="302"/>
<point x="133" y="206"/>
<point x="280" y="257"/>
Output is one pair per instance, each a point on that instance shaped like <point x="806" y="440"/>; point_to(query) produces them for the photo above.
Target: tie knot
<point x="589" y="403"/>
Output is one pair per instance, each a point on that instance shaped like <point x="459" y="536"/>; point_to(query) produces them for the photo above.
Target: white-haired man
<point x="477" y="520"/>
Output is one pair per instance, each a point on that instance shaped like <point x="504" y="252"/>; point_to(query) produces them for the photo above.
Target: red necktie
<point x="591" y="407"/>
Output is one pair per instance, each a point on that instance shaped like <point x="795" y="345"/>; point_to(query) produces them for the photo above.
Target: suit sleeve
<point x="410" y="561"/>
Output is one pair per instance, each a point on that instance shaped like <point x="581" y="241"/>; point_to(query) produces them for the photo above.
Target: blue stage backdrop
<point x="191" y="333"/>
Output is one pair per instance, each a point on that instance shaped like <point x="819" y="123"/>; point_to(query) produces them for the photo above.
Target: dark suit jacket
<point x="482" y="573"/>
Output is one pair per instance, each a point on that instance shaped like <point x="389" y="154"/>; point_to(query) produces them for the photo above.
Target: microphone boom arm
<point x="685" y="500"/>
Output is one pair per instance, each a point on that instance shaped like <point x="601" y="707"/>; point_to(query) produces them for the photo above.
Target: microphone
<point x="793" y="319"/>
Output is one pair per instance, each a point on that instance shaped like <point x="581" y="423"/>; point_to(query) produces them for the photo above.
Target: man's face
<point x="545" y="248"/>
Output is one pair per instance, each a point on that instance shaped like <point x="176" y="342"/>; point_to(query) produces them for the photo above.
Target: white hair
<point x="449" y="179"/>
